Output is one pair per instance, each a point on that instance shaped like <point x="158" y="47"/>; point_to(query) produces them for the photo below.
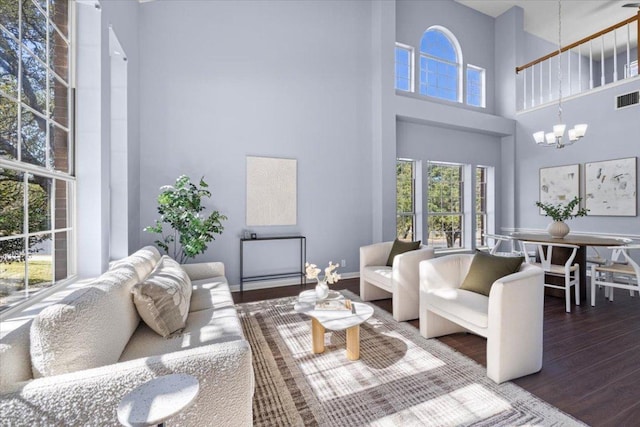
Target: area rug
<point x="401" y="378"/>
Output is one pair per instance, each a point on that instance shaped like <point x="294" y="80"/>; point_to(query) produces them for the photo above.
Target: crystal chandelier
<point x="556" y="137"/>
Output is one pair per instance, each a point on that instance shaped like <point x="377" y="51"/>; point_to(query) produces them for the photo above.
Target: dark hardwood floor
<point x="591" y="362"/>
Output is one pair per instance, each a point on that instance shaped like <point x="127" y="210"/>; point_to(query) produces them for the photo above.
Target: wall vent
<point x="627" y="100"/>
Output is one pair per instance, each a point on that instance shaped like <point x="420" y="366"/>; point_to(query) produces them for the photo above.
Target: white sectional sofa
<point x="101" y="351"/>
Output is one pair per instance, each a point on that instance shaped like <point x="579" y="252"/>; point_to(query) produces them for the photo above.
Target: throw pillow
<point x="88" y="328"/>
<point x="486" y="269"/>
<point x="400" y="247"/>
<point x="163" y="298"/>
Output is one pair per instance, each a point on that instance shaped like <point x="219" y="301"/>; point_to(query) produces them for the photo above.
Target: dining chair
<point x="613" y="276"/>
<point x="498" y="241"/>
<point x="570" y="271"/>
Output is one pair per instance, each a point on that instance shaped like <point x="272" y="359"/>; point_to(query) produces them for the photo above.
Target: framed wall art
<point x="271" y="191"/>
<point x="559" y="184"/>
<point x="611" y="187"/>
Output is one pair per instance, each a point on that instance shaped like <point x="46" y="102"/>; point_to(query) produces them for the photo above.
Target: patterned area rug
<point x="401" y="379"/>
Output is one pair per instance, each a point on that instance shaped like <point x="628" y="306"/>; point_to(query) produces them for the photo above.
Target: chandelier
<point x="556" y="138"/>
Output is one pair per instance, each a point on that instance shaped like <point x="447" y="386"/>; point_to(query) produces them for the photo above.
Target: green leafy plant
<point x="562" y="212"/>
<point x="180" y="207"/>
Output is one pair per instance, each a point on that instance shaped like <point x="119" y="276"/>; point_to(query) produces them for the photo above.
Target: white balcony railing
<point x="603" y="58"/>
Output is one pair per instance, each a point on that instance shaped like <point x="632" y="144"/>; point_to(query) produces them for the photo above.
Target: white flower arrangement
<point x="330" y="274"/>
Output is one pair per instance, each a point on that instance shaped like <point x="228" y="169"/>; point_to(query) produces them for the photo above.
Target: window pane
<point x="34" y="86"/>
<point x="62" y="196"/>
<point x="58" y="54"/>
<point x="9" y="16"/>
<point x="40" y="196"/>
<point x="403" y="68"/>
<point x="12" y="270"/>
<point x="405" y="199"/>
<point x="11" y="206"/>
<point x="405" y="227"/>
<point x="40" y="262"/>
<point x="444" y="205"/>
<point x="34" y="138"/>
<point x="475" y="86"/>
<point x="61" y="255"/>
<point x="8" y="63"/>
<point x="8" y="128"/>
<point x="58" y="12"/>
<point x="34" y="30"/>
<point x="59" y="148"/>
<point x="59" y="95"/>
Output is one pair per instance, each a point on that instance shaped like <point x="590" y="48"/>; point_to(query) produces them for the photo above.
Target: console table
<point x="299" y="273"/>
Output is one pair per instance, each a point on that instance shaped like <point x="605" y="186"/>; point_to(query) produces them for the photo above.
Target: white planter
<point x="558" y="229"/>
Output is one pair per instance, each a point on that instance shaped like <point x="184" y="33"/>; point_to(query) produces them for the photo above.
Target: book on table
<point x="334" y="305"/>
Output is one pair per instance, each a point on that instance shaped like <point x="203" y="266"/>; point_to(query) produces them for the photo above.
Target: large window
<point x="404" y="67"/>
<point x="440" y="65"/>
<point x="405" y="199"/>
<point x="445" y="210"/>
<point x="36" y="156"/>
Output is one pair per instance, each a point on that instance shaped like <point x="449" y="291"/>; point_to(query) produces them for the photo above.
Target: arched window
<point x="440" y="65"/>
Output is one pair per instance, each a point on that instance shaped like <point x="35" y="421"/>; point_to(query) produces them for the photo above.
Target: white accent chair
<point x="570" y="271"/>
<point x="510" y="318"/>
<point x="616" y="275"/>
<point x="400" y="282"/>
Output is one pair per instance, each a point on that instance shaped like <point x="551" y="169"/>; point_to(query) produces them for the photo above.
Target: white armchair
<point x="400" y="282"/>
<point x="510" y="318"/>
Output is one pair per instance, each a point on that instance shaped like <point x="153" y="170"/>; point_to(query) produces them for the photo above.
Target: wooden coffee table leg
<point x="353" y="343"/>
<point x="317" y="336"/>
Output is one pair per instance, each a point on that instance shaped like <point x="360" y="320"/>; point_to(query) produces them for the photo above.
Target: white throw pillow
<point x="143" y="261"/>
<point x="163" y="298"/>
<point x="88" y="328"/>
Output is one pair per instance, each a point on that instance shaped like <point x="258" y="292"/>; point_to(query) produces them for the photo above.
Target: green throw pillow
<point x="400" y="247"/>
<point x="486" y="269"/>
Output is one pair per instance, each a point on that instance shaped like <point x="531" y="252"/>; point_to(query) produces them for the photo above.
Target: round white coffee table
<point x="334" y="320"/>
<point x="157" y="400"/>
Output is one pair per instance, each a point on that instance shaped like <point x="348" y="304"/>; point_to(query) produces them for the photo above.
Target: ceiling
<point x="579" y="18"/>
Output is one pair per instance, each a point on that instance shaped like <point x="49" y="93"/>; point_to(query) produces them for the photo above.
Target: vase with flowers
<point x="330" y="277"/>
<point x="560" y="213"/>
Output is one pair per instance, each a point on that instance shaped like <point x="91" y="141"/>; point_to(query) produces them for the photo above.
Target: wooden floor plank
<point x="590" y="356"/>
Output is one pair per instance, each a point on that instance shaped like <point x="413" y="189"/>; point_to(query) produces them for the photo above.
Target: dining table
<point x="582" y="241"/>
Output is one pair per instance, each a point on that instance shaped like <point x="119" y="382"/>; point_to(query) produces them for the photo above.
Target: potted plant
<point x="180" y="207"/>
<point x="560" y="213"/>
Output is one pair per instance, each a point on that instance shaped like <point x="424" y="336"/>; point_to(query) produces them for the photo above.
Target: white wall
<point x="224" y="80"/>
<point x="93" y="128"/>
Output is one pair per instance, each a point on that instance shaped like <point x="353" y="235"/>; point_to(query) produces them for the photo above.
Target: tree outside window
<point x="445" y="205"/>
<point x="35" y="158"/>
<point x="405" y="200"/>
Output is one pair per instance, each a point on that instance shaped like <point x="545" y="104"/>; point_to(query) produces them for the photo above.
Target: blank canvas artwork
<point x="271" y="191"/>
<point x="559" y="184"/>
<point x="611" y="187"/>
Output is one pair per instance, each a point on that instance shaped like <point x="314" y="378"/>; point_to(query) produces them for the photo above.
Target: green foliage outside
<point x="444" y="205"/>
<point x="12" y="215"/>
<point x="404" y="199"/>
<point x="180" y="207"/>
